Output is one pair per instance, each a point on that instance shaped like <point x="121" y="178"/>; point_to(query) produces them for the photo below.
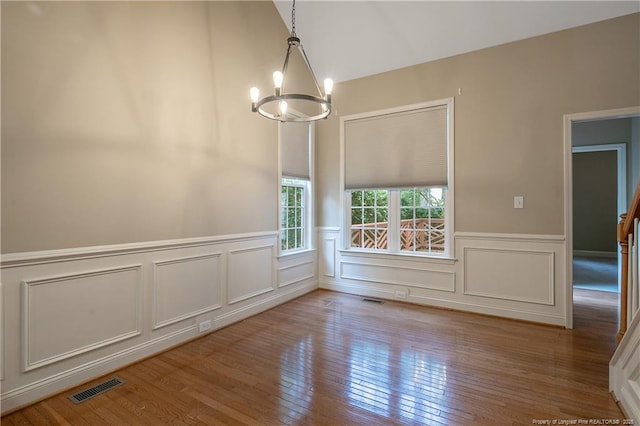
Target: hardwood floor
<point x="331" y="358"/>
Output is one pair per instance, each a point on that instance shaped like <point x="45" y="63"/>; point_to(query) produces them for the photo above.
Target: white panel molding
<point x="624" y="371"/>
<point x="298" y="272"/>
<point x="328" y="259"/>
<point x="543" y="303"/>
<point x="29" y="288"/>
<point x="191" y="308"/>
<point x="243" y="281"/>
<point x="38" y="389"/>
<point x="389" y="274"/>
<point x="13" y="260"/>
<point x="485" y="290"/>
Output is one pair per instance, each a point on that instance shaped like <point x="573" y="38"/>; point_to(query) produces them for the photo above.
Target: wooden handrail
<point x="633" y="212"/>
<point x="625" y="227"/>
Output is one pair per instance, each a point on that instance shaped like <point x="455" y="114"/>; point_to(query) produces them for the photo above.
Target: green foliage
<point x="369" y="206"/>
<point x="291" y="214"/>
<point x="428" y="203"/>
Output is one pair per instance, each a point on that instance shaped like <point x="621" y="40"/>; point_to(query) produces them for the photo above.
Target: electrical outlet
<point x="204" y="326"/>
<point x="401" y="294"/>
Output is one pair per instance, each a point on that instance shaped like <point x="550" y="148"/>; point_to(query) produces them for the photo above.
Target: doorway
<point x="570" y="123"/>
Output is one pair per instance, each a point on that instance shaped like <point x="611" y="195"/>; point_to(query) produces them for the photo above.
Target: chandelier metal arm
<point x="257" y="107"/>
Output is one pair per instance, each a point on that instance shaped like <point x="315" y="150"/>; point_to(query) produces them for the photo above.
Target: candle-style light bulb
<point x="283" y="107"/>
<point x="277" y="79"/>
<point x="255" y="94"/>
<point x="328" y="86"/>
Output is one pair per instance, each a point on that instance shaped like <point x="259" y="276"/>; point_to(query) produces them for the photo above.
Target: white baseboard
<point x="591" y="253"/>
<point x="444" y="302"/>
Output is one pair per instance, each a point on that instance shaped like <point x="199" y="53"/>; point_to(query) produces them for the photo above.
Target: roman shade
<point x="399" y="150"/>
<point x="294" y="149"/>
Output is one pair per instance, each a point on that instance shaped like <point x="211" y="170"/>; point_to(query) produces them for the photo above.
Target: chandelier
<point x="316" y="106"/>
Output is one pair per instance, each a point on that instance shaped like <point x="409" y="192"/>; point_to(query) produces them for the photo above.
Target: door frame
<point x="568" y="121"/>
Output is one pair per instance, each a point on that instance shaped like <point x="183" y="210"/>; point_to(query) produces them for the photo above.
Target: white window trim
<point x="309" y="218"/>
<point x="345" y="201"/>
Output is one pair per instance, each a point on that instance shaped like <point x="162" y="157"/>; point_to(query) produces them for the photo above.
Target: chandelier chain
<point x="293" y="19"/>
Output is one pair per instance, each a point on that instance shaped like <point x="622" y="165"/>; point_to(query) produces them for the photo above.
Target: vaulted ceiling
<point x="351" y="39"/>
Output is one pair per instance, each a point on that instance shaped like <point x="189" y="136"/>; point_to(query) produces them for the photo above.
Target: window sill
<point x="296" y="253"/>
<point x="403" y="256"/>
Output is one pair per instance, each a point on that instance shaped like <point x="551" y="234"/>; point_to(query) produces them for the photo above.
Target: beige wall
<point x="508" y="119"/>
<point x="130" y="121"/>
<point x="595" y="201"/>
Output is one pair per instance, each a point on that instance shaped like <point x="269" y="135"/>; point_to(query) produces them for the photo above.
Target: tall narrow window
<point x="292" y="214"/>
<point x="295" y="186"/>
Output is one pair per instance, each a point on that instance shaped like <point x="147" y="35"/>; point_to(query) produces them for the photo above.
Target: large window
<point x="398" y="220"/>
<point x="398" y="179"/>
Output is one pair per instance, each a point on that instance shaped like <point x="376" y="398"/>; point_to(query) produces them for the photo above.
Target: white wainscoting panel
<point x="185" y="287"/>
<point x="296" y="272"/>
<point x="67" y="315"/>
<point x="328" y="257"/>
<point x="250" y="272"/>
<point x="398" y="275"/>
<point x="518" y="275"/>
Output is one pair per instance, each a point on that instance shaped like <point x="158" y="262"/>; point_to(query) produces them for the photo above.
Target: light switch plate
<point x="518" y="202"/>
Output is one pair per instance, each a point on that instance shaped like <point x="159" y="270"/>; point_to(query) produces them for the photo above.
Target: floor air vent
<point x="96" y="390"/>
<point x="378" y="301"/>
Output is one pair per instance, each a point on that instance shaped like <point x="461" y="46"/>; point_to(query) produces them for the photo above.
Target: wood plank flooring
<point x="331" y="358"/>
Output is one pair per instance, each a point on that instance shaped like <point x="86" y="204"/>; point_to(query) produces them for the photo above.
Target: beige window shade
<point x="294" y="149"/>
<point x="400" y="150"/>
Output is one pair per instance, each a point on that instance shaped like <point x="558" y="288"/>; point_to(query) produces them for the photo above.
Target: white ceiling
<point x="351" y="39"/>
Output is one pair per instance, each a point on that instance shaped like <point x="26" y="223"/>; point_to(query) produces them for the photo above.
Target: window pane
<point x="381" y="215"/>
<point x="356" y="198"/>
<point x="422" y="220"/>
<point x="369" y="215"/>
<point x="369" y="198"/>
<point x="406" y="197"/>
<point x="298" y="220"/>
<point x="291" y="196"/>
<point x="406" y="213"/>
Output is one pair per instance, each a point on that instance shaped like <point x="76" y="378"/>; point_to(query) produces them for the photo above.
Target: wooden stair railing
<point x="625" y="230"/>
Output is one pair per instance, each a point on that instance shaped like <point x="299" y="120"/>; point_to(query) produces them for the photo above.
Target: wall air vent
<point x="378" y="301"/>
<point x="96" y="390"/>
